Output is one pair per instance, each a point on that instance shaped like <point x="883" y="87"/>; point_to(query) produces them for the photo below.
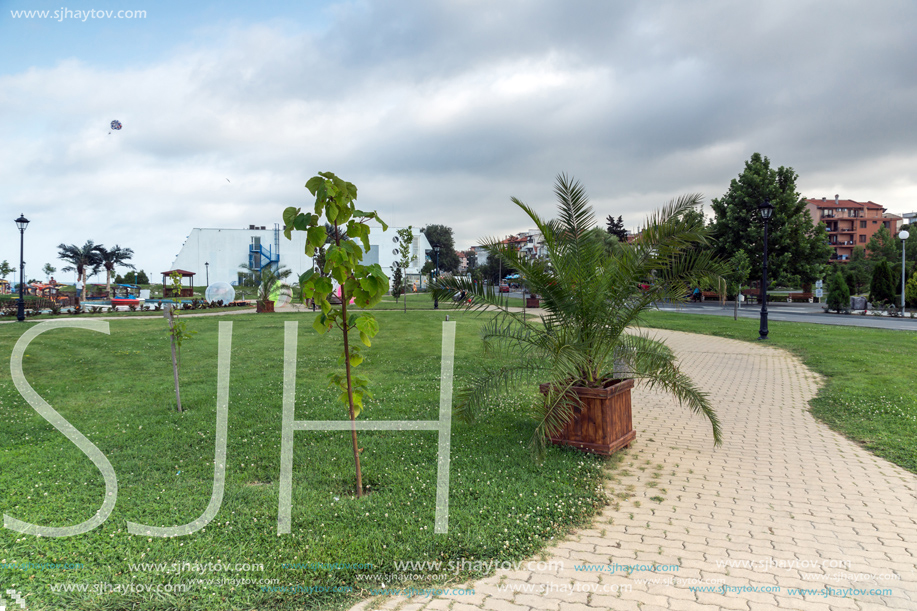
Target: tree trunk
<point x="174" y="358"/>
<point x="353" y="417"/>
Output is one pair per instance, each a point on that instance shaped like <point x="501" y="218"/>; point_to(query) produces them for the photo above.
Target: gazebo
<point x="167" y="290"/>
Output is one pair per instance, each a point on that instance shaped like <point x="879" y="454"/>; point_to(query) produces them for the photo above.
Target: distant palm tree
<point x="112" y="257"/>
<point x="84" y="260"/>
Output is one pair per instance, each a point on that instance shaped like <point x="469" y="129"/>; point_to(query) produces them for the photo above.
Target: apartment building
<point x="850" y="223"/>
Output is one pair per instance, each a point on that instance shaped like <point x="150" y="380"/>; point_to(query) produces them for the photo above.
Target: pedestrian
<point x="79" y="289"/>
<point x="696" y="294"/>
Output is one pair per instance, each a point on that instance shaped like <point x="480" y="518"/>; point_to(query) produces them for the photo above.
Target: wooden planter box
<point x="603" y="424"/>
<point x="267" y="306"/>
<point x="532" y="302"/>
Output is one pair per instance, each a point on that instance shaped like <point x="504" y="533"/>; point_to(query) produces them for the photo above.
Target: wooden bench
<point x="800" y="298"/>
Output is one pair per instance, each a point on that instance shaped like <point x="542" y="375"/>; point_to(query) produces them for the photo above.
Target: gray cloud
<point x="440" y="111"/>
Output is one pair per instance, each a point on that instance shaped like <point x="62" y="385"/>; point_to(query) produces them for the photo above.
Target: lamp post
<point x="207" y="269"/>
<point x="765" y="211"/>
<point x="22" y="222"/>
<point x="904" y="235"/>
<point x="435" y="299"/>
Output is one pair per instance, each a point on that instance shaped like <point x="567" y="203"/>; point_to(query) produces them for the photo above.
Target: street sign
<point x="818" y="293"/>
<point x="818" y="285"/>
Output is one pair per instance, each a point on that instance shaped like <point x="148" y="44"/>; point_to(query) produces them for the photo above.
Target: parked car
<point x="504" y="288"/>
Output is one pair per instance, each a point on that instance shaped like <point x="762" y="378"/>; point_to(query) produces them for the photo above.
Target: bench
<point x="800" y="298"/>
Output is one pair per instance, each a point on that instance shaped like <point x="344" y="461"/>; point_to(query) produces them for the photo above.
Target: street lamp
<point x="207" y="269"/>
<point x="904" y="235"/>
<point x="765" y="211"/>
<point x="22" y="222"/>
<point x="435" y="299"/>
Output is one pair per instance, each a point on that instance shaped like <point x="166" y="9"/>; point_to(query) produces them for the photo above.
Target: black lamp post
<point x="22" y="222"/>
<point x="765" y="211"/>
<point x="435" y="299"/>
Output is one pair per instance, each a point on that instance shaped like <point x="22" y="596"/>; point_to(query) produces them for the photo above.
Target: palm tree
<point x="110" y="257"/>
<point x="592" y="294"/>
<point x="85" y="260"/>
<point x="269" y="281"/>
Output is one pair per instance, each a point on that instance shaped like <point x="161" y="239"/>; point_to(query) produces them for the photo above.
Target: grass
<point x="117" y="390"/>
<point x="124" y="313"/>
<point x="869" y="395"/>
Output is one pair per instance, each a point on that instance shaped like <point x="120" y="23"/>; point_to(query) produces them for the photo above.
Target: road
<point x="798" y="312"/>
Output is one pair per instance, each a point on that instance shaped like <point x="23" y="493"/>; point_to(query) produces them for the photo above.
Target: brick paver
<point x="784" y="503"/>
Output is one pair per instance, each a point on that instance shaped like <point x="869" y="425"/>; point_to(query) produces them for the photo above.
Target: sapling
<point x="364" y="284"/>
<point x="177" y="331"/>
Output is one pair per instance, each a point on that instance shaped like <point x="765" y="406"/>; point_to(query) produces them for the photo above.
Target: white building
<point x="217" y="254"/>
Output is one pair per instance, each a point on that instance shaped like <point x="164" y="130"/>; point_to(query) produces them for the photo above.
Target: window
<point x="875" y="222"/>
<point x="862" y="238"/>
<point x="862" y="224"/>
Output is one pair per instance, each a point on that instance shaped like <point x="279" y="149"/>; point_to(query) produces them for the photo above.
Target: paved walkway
<point x="784" y="503"/>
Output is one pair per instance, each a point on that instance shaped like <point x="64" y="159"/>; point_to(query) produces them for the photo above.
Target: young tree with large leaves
<point x="365" y="284"/>
<point x="797" y="246"/>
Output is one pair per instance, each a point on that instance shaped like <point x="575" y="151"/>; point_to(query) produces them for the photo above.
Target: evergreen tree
<point x="882" y="287"/>
<point x="142" y="278"/>
<point x="838" y="293"/>
<point x="851" y="282"/>
<point x="797" y="246"/>
<point x="397" y="283"/>
<point x="616" y="227"/>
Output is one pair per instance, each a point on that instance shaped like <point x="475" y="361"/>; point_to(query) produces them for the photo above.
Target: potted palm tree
<point x="587" y="347"/>
<point x="270" y="282"/>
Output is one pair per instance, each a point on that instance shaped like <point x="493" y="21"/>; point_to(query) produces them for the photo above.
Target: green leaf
<point x="289" y="214"/>
<point x="357" y="403"/>
<point x="355" y="359"/>
<point x="302" y="222"/>
<point x="305" y="276"/>
<point x="323" y="286"/>
<point x="367" y="324"/>
<point x="365" y="339"/>
<point x="316" y="236"/>
<point x="320" y="324"/>
<point x="314" y="184"/>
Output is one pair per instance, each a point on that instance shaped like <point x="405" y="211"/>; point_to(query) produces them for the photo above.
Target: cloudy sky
<point x="439" y="111"/>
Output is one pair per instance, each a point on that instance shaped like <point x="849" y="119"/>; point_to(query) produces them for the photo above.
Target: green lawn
<point x="117" y="390"/>
<point x="424" y="301"/>
<point x="869" y="395"/>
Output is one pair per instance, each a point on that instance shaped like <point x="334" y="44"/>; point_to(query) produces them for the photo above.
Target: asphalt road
<point x="798" y="312"/>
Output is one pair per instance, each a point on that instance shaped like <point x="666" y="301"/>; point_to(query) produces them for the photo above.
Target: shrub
<point x="838" y="293"/>
<point x="882" y="287"/>
<point x="910" y="291"/>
